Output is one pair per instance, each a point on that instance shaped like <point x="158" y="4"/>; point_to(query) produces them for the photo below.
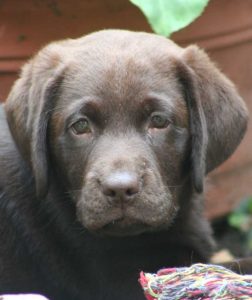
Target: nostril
<point x="131" y="191"/>
<point x="121" y="184"/>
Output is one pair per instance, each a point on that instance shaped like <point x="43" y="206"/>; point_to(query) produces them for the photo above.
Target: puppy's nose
<point x="121" y="185"/>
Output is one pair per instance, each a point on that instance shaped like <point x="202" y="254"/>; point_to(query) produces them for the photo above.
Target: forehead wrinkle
<point x="173" y="102"/>
<point x="78" y="104"/>
<point x="159" y="99"/>
<point x="167" y="103"/>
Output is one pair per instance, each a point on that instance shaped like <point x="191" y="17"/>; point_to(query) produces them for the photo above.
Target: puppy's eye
<point x="159" y="121"/>
<point x="81" y="127"/>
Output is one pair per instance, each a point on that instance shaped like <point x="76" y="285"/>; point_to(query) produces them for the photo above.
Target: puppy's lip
<point x="123" y="227"/>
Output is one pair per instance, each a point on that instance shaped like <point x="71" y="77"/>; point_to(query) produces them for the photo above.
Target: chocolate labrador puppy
<point x="104" y="144"/>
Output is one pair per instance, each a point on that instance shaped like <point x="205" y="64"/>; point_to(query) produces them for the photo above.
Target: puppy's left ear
<point x="39" y="142"/>
<point x="29" y="107"/>
<point x="218" y="115"/>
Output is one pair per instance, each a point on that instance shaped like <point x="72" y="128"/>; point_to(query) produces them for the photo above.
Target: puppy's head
<point x="124" y="120"/>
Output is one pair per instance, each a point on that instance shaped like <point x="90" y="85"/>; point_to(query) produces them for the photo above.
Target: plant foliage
<point x="241" y="219"/>
<point x="168" y="16"/>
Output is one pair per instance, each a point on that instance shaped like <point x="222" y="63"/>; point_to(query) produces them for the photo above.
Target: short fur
<point x="82" y="214"/>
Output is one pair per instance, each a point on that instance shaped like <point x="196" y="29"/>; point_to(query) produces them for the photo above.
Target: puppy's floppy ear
<point x="198" y="125"/>
<point x="218" y="115"/>
<point x="28" y="109"/>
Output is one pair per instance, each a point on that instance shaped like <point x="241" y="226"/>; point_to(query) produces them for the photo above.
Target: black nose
<point x="121" y="185"/>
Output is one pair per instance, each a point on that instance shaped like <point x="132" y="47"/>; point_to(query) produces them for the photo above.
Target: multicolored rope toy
<point x="200" y="281"/>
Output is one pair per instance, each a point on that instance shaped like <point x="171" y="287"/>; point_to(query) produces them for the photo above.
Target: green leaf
<point x="237" y="220"/>
<point x="250" y="205"/>
<point x="168" y="16"/>
<point x="249" y="239"/>
<point x="245" y="206"/>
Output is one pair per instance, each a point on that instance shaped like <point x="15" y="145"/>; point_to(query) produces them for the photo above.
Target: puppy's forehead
<point x="120" y="65"/>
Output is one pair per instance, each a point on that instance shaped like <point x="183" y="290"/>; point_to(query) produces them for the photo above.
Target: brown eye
<point x="81" y="127"/>
<point x="159" y="121"/>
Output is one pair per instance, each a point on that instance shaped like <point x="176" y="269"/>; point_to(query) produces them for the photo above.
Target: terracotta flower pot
<point x="26" y="26"/>
<point x="224" y="30"/>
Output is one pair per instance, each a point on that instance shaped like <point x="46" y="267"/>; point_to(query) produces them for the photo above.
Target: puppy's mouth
<point x="123" y="227"/>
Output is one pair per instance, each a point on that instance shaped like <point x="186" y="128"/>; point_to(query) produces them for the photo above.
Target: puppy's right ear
<point x="29" y="107"/>
<point x="218" y="115"/>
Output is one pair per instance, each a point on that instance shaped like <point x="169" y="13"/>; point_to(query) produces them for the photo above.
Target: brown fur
<point x="87" y="212"/>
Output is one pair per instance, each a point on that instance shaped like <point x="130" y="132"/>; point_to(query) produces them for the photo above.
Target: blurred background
<point x="224" y="30"/>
